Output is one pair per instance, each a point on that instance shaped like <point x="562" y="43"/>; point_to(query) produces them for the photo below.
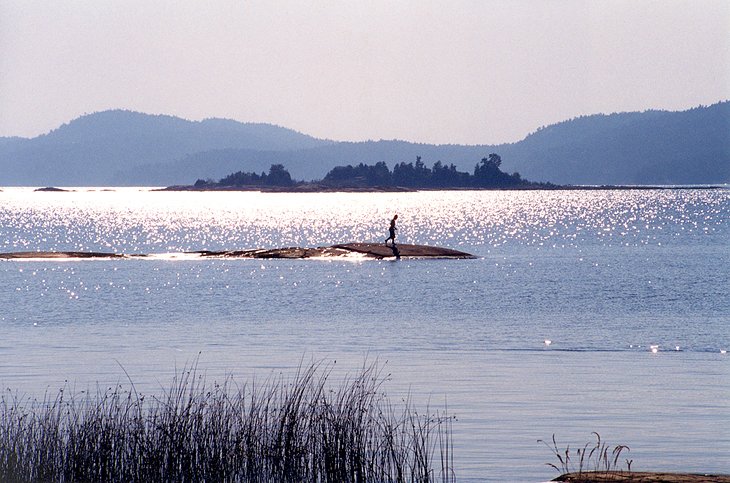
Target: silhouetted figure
<point x="392" y="231"/>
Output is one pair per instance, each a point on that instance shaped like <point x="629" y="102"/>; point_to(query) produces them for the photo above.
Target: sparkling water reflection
<point x="603" y="275"/>
<point x="134" y="220"/>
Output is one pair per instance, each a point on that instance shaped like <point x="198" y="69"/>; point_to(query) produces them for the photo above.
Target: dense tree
<point x="448" y="177"/>
<point x="241" y="178"/>
<point x="362" y="175"/>
<point x="278" y="176"/>
<point x="486" y="175"/>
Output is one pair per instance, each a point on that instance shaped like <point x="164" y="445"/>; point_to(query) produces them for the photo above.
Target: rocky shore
<point x="321" y="188"/>
<point x="641" y="477"/>
<point x="376" y="251"/>
<point x="49" y="254"/>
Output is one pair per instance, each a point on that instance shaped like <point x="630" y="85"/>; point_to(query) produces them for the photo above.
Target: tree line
<point x="277" y="176"/>
<point x="486" y="174"/>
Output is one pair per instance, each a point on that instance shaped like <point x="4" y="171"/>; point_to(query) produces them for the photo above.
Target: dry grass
<point x="295" y="429"/>
<point x="591" y="458"/>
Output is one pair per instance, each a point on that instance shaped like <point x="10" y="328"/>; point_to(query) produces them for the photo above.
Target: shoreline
<point x="642" y="477"/>
<point x="307" y="188"/>
<point x="316" y="188"/>
<point x="377" y="251"/>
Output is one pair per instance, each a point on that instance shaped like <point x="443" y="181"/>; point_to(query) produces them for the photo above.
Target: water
<point x="604" y="275"/>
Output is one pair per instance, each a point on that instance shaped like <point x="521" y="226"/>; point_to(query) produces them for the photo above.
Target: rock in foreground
<point x="31" y="255"/>
<point x="376" y="251"/>
<point x="367" y="250"/>
<point x="641" y="477"/>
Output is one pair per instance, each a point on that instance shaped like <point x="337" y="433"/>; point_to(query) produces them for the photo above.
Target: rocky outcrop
<point x="366" y="250"/>
<point x="641" y="477"/>
<point x="28" y="255"/>
<point x="52" y="189"/>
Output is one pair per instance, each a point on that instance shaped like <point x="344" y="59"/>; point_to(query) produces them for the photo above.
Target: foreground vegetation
<point x="589" y="461"/>
<point x="297" y="429"/>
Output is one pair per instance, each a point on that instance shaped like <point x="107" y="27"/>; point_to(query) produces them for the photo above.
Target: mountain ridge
<point x="121" y="147"/>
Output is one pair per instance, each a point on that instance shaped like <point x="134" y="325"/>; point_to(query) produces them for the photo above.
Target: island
<point x="61" y="254"/>
<point x="51" y="189"/>
<point x="641" y="477"/>
<point x="376" y="251"/>
<point x="378" y="177"/>
<point x="487" y="175"/>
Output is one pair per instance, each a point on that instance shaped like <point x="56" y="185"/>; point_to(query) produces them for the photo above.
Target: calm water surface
<point x="604" y="275"/>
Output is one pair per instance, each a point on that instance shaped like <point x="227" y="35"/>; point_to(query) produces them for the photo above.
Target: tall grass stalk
<point x="596" y="457"/>
<point x="284" y="429"/>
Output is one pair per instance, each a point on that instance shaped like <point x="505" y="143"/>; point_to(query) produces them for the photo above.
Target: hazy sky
<point x="468" y="72"/>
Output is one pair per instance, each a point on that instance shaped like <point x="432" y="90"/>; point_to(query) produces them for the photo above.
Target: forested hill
<point x="113" y="147"/>
<point x="128" y="148"/>
<point x="653" y="147"/>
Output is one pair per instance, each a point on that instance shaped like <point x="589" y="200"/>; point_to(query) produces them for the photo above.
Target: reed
<point x="598" y="457"/>
<point x="283" y="429"/>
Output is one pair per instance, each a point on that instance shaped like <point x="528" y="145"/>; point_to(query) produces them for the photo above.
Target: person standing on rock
<point x="392" y="231"/>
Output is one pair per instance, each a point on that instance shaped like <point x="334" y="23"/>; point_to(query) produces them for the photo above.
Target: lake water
<point x="604" y="275"/>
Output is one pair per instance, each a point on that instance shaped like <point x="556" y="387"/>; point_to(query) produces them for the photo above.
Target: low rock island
<point x="376" y="251"/>
<point x="641" y="477"/>
<point x="50" y="254"/>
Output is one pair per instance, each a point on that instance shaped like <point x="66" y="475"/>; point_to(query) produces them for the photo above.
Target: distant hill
<point x="129" y="148"/>
<point x="98" y="149"/>
<point x="653" y="147"/>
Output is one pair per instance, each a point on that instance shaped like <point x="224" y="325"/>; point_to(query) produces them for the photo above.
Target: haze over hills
<point x="128" y="148"/>
<point x="108" y="148"/>
<point x="653" y="147"/>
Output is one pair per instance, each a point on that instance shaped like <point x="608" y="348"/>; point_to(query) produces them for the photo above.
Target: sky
<point x="461" y="72"/>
